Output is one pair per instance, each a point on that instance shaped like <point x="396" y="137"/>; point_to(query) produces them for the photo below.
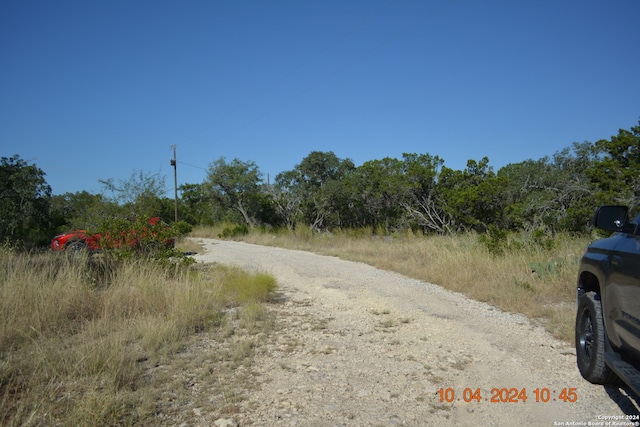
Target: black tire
<point x="75" y="246"/>
<point x="590" y="341"/>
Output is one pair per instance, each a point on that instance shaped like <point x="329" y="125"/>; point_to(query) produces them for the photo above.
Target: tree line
<point x="416" y="192"/>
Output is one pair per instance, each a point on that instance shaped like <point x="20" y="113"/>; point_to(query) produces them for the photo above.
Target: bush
<point x="498" y="241"/>
<point x="237" y="231"/>
<point x="543" y="240"/>
<point x="141" y="237"/>
<point x="495" y="240"/>
<point x="181" y="228"/>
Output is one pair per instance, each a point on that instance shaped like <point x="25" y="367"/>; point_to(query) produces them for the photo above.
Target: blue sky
<point x="102" y="89"/>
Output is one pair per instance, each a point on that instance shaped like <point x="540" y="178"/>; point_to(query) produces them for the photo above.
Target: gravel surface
<point x="358" y="346"/>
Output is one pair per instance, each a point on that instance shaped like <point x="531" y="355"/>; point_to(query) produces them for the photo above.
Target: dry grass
<point x="529" y="278"/>
<point x="82" y="338"/>
<point x="188" y="246"/>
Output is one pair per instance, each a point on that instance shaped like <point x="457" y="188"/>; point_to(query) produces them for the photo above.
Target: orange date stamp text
<point x="508" y="395"/>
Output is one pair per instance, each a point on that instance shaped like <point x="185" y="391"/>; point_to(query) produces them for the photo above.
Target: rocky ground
<point x="357" y="346"/>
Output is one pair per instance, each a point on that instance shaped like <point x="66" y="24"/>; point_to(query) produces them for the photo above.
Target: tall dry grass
<point x="78" y="334"/>
<point x="533" y="276"/>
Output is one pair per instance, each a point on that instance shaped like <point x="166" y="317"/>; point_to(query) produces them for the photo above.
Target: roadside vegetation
<point x="100" y="340"/>
<point x="531" y="274"/>
<point x="414" y="193"/>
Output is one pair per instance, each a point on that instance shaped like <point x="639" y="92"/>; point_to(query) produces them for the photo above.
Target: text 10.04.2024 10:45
<point x="509" y="395"/>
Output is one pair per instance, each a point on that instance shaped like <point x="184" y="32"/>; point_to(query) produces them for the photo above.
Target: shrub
<point x="141" y="237"/>
<point x="543" y="240"/>
<point x="495" y="240"/>
<point x="181" y="228"/>
<point x="237" y="231"/>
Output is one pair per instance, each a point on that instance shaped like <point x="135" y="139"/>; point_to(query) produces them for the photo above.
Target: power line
<point x="193" y="166"/>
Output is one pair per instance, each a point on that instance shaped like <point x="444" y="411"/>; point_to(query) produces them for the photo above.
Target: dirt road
<point x="357" y="346"/>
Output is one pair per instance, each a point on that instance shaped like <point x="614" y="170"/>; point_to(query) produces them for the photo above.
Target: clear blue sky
<point x="95" y="90"/>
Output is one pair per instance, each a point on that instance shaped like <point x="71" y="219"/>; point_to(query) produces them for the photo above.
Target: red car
<point x="78" y="240"/>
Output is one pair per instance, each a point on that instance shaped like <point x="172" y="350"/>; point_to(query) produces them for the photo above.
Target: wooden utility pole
<point x="175" y="182"/>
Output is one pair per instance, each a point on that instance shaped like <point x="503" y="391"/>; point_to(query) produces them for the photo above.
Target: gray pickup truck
<point x="608" y="296"/>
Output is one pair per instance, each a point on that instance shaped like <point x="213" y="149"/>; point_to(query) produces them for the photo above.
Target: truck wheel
<point x="590" y="341"/>
<point x="75" y="246"/>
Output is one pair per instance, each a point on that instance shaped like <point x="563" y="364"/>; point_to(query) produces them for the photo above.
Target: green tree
<point x="315" y="182"/>
<point x="574" y="201"/>
<point x="195" y="205"/>
<point x="82" y="210"/>
<point x="25" y="203"/>
<point x="550" y="193"/>
<point x="616" y="171"/>
<point x="376" y="193"/>
<point x="423" y="202"/>
<point x="236" y="187"/>
<point x="285" y="201"/>
<point x="396" y="194"/>
<point x="140" y="195"/>
<point x="474" y="197"/>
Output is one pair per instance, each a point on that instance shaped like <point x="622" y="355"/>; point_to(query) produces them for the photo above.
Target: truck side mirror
<point x="612" y="218"/>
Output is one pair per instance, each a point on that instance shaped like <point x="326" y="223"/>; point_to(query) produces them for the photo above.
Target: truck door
<point x="622" y="295"/>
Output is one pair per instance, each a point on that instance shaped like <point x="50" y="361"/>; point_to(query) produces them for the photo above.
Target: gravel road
<point x="358" y="346"/>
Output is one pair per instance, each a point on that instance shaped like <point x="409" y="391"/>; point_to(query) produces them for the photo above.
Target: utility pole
<point x="175" y="182"/>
